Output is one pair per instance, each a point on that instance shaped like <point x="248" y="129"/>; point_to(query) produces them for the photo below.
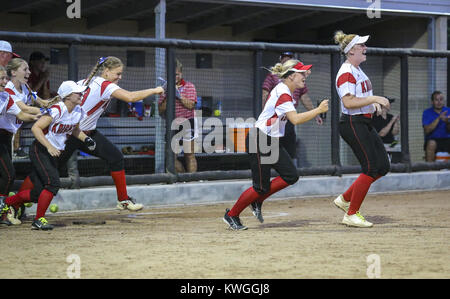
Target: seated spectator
<point x="436" y="126"/>
<point x="388" y="128"/>
<point x="39" y="77"/>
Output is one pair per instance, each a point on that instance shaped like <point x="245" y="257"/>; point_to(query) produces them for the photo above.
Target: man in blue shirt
<point x="436" y="126"/>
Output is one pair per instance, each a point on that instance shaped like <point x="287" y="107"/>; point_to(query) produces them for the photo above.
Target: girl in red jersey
<point x="51" y="131"/>
<point x="270" y="126"/>
<point x="358" y="105"/>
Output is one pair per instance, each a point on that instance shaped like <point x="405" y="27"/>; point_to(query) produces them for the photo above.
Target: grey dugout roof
<point x="284" y="21"/>
<point x="401" y="7"/>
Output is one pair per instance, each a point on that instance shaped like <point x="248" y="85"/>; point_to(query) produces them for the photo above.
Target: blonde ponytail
<point x="282" y="69"/>
<point x="343" y="39"/>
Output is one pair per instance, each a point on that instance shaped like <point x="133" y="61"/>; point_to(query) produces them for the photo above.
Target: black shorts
<point x="260" y="170"/>
<point x="358" y="132"/>
<point x="289" y="140"/>
<point x="442" y="144"/>
<point x="104" y="150"/>
<point x="7" y="170"/>
<point x="44" y="172"/>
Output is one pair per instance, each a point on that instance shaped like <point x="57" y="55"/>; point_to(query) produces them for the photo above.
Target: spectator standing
<point x="186" y="98"/>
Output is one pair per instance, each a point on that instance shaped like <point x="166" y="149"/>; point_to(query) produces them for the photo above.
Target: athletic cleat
<point x="41" y="224"/>
<point x="21" y="215"/>
<point x="256" y="210"/>
<point x="356" y="220"/>
<point x="12" y="216"/>
<point x="4" y="220"/>
<point x="129" y="204"/>
<point x="233" y="221"/>
<point x="4" y="208"/>
<point x="341" y="203"/>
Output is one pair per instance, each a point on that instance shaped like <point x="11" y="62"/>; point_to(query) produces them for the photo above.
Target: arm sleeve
<point x="109" y="89"/>
<point x="12" y="107"/>
<point x="427" y="118"/>
<point x="284" y="105"/>
<point x="346" y="84"/>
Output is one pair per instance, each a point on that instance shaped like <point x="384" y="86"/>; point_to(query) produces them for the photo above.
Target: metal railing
<point x="72" y="40"/>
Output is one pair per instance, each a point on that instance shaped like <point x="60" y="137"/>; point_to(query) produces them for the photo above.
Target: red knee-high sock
<point x="348" y="194"/>
<point x="17" y="200"/>
<point x="121" y="184"/>
<point x="45" y="198"/>
<point x="27" y="184"/>
<point x="360" y="189"/>
<point x="250" y="195"/>
<point x="276" y="185"/>
<point x="246" y="198"/>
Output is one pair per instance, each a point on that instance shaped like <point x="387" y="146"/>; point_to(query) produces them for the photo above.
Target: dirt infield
<point x="299" y="239"/>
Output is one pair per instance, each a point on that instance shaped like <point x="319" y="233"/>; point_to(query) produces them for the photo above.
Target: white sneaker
<point x="12" y="216"/>
<point x="341" y="203"/>
<point x="356" y="220"/>
<point x="129" y="204"/>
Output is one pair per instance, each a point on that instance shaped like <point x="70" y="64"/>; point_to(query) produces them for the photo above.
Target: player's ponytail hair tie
<point x="101" y="60"/>
<point x="108" y="62"/>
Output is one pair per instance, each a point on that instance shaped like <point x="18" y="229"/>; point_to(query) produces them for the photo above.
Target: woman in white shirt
<point x="8" y="110"/>
<point x="51" y="132"/>
<point x="270" y="126"/>
<point x="358" y="105"/>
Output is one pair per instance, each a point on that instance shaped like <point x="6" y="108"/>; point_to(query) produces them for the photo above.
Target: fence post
<point x="335" y="112"/>
<point x="404" y="124"/>
<point x="160" y="33"/>
<point x="73" y="63"/>
<point x="170" y="109"/>
<point x="257" y="92"/>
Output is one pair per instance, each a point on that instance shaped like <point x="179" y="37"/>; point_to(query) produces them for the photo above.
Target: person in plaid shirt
<point x="300" y="94"/>
<point x="186" y="98"/>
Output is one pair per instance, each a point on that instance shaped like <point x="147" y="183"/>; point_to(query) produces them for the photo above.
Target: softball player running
<point x="51" y="131"/>
<point x="270" y="126"/>
<point x="358" y="105"/>
<point x="8" y="111"/>
<point x="95" y="100"/>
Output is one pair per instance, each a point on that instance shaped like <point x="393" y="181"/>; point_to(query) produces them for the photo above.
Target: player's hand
<point x="54" y="152"/>
<point x="46" y="103"/>
<point x="443" y="116"/>
<point x="383" y="102"/>
<point x="159" y="90"/>
<point x="35" y="117"/>
<point x="378" y="109"/>
<point x="323" y="106"/>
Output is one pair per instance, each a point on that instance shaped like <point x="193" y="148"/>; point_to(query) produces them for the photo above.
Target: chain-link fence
<point x="228" y="78"/>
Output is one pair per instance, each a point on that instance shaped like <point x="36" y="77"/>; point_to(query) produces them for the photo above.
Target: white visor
<point x="356" y="40"/>
<point x="68" y="87"/>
